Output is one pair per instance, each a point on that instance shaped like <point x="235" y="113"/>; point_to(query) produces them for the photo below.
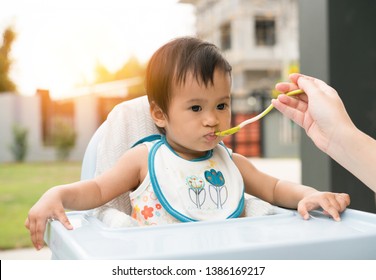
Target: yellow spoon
<point x="256" y="118"/>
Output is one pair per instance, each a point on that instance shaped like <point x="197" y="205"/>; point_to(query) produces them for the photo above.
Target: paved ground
<point x="288" y="169"/>
<point x="26" y="254"/>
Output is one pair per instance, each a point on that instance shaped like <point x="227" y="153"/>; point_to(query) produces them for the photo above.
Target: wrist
<point x="351" y="149"/>
<point x="54" y="194"/>
<point x="343" y="139"/>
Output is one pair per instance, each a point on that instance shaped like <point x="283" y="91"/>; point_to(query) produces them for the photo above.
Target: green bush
<point x="63" y="138"/>
<point x="19" y="146"/>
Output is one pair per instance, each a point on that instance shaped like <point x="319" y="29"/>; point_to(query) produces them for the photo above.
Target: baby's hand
<point x="48" y="207"/>
<point x="332" y="204"/>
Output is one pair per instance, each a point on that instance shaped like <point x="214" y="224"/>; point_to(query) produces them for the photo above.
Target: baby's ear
<point x="158" y="116"/>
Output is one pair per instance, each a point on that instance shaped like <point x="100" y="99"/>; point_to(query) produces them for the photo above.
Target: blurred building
<point x="260" y="40"/>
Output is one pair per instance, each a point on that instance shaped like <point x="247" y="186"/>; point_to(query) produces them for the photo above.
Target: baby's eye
<point x="222" y="106"/>
<point x="196" y="108"/>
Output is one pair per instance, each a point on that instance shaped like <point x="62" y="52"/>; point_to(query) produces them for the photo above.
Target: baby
<point x="186" y="174"/>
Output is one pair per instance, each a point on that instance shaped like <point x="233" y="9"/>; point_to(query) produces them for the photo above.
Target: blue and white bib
<point x="207" y="188"/>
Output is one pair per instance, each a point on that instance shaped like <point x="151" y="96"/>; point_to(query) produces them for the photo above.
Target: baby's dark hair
<point x="173" y="61"/>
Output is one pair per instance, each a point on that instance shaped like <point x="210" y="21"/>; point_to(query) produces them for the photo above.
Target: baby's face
<point x="196" y="112"/>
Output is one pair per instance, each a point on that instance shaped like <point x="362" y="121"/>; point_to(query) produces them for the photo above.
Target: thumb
<point x="294" y="77"/>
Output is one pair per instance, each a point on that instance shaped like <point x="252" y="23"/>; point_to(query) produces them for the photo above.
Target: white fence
<point x="25" y="111"/>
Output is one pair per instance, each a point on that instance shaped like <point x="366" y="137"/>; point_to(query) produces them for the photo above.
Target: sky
<point x="59" y="42"/>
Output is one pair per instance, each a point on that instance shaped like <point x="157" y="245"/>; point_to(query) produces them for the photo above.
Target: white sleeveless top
<point x="176" y="189"/>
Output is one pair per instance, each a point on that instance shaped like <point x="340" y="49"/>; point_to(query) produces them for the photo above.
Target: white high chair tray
<point x="282" y="236"/>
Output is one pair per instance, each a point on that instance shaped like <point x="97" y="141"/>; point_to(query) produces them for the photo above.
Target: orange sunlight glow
<point x="59" y="42"/>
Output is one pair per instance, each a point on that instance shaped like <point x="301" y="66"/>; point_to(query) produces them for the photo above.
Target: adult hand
<point x="320" y="111"/>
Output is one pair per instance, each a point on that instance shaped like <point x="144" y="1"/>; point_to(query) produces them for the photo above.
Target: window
<point x="265" y="31"/>
<point x="226" y="36"/>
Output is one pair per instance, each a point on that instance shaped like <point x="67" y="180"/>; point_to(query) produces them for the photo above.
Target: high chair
<point x="103" y="233"/>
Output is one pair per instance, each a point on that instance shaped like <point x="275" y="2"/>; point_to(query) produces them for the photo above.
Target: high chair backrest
<point x="127" y="123"/>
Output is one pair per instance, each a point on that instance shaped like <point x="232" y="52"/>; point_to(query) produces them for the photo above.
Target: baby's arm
<point x="287" y="194"/>
<point x="124" y="176"/>
<point x="52" y="205"/>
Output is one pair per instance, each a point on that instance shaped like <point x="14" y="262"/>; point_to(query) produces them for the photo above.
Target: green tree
<point x="131" y="69"/>
<point x="102" y="74"/>
<point x="6" y="84"/>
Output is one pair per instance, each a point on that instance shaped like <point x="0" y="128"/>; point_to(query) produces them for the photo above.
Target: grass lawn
<point x="21" y="185"/>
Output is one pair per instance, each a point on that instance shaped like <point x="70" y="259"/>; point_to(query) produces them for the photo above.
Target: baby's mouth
<point x="211" y="136"/>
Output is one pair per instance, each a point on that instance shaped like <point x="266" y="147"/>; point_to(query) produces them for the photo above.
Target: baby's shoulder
<point x="138" y="151"/>
<point x="136" y="156"/>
